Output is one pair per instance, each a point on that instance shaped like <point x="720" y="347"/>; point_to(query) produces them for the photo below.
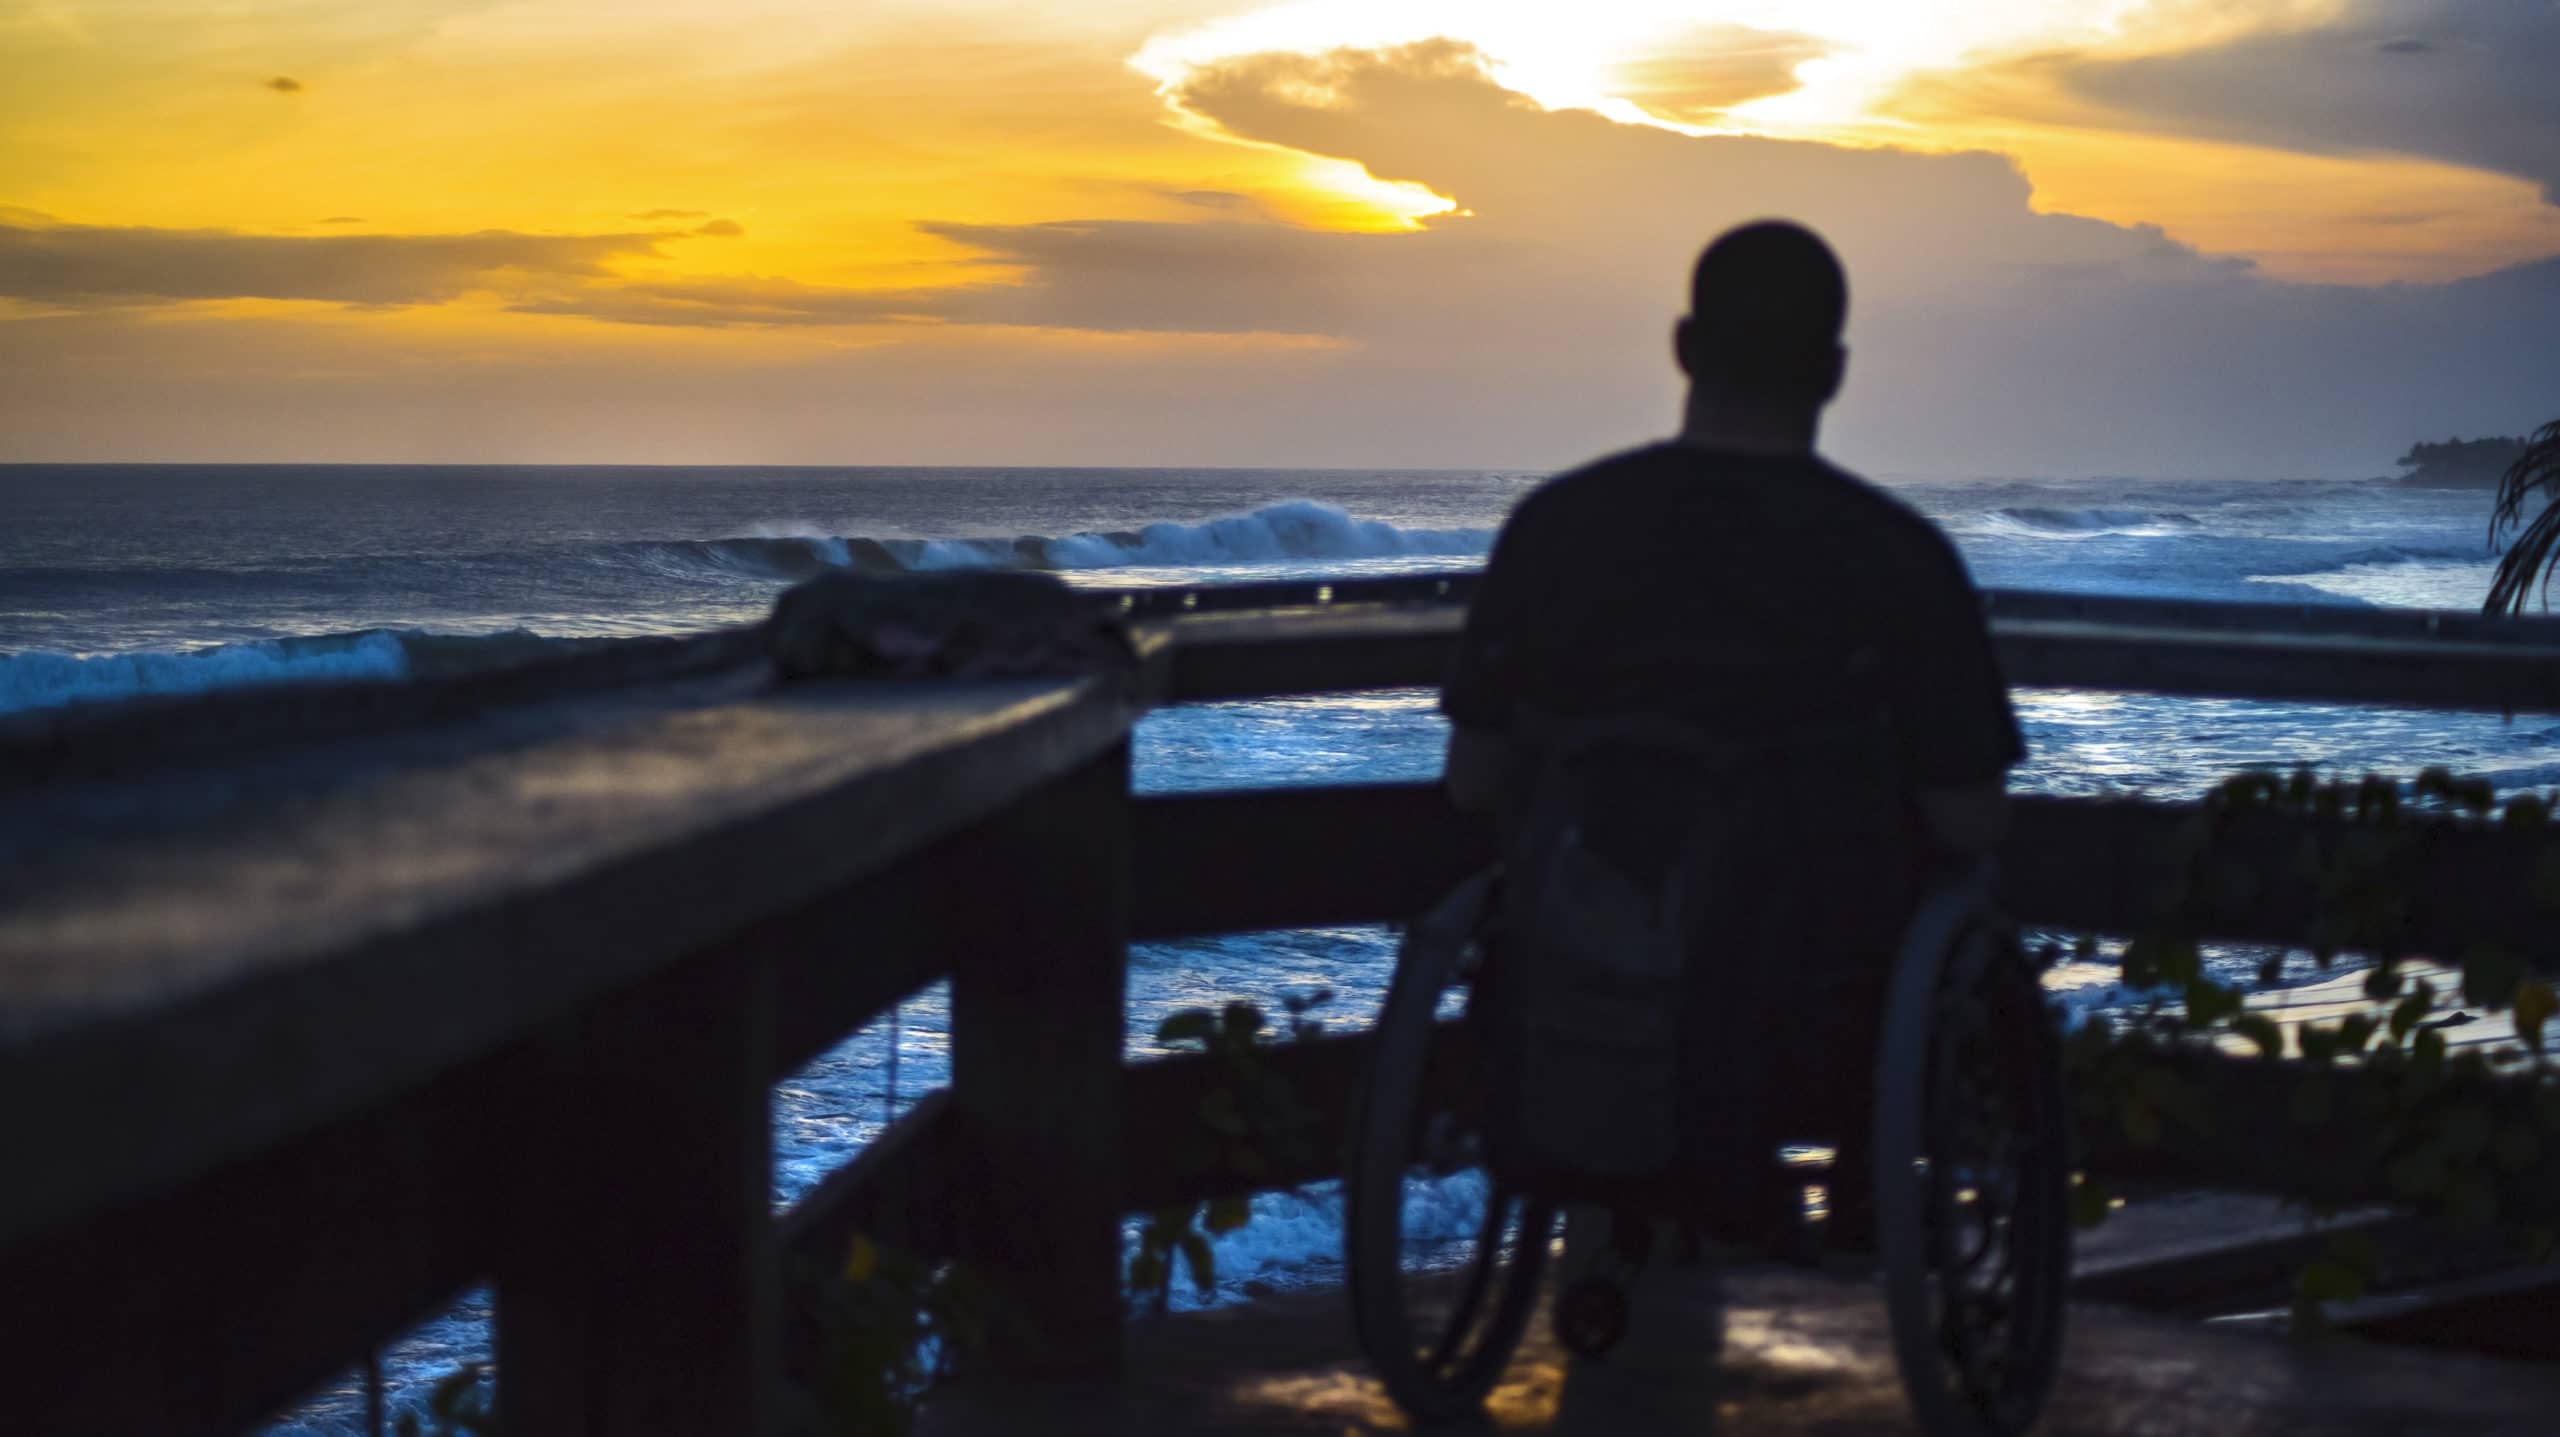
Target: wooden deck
<point x="1803" y="1352"/>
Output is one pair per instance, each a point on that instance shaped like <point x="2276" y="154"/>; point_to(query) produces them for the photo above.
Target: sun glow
<point x="1856" y="54"/>
<point x="1927" y="77"/>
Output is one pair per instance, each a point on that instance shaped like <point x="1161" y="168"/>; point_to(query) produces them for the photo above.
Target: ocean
<point x="125" y="580"/>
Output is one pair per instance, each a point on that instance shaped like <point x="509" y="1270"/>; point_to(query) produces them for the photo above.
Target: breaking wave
<point x="2090" y="523"/>
<point x="42" y="679"/>
<point x="1299" y="529"/>
<point x="2396" y="576"/>
<point x="2382" y="554"/>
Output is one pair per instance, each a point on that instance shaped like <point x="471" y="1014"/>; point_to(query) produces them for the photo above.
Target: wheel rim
<point x="1971" y="1187"/>
<point x="1443" y="1264"/>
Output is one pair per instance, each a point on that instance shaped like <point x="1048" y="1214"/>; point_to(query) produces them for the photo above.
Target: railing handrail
<point x="2293" y="653"/>
<point x="178" y="949"/>
<point x="2263" y="616"/>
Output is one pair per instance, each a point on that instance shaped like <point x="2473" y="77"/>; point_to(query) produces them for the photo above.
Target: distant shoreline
<point x="2460" y="463"/>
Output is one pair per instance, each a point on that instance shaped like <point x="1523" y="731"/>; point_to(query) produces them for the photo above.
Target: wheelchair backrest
<point x="1652" y="870"/>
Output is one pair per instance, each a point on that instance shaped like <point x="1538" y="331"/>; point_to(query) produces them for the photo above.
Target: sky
<point x="2173" y="237"/>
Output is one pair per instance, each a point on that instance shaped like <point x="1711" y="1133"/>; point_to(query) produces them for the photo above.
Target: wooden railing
<point x="1314" y="637"/>
<point x="317" y="1008"/>
<point x="302" y="1037"/>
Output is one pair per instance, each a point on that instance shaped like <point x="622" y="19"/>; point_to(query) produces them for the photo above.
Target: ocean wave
<point x="2398" y="578"/>
<point x="1299" y="529"/>
<point x="2036" y="519"/>
<point x="2386" y="555"/>
<point x="41" y="679"/>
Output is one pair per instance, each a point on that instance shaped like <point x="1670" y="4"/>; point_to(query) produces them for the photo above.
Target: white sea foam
<point x="2415" y="583"/>
<point x="2039" y="521"/>
<point x="1296" y="529"/>
<point x="49" y="680"/>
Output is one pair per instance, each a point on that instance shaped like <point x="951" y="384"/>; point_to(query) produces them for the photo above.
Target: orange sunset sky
<point x="2176" y="237"/>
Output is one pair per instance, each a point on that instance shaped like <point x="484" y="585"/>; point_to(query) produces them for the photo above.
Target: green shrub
<point x="2459" y="1135"/>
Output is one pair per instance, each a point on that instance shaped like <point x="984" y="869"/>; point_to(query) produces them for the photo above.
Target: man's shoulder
<point x="1666" y="466"/>
<point x="1882" y="509"/>
<point x="1597" y="494"/>
<point x="1617" y="489"/>
<point x="1612" y="472"/>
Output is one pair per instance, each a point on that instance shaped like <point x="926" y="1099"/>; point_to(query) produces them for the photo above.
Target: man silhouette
<point x="1731" y="580"/>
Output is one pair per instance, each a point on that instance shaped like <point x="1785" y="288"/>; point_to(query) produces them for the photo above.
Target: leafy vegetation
<point x="869" y="1339"/>
<point x="2463" y="1135"/>
<point x="1249" y="1123"/>
<point x="2532" y="481"/>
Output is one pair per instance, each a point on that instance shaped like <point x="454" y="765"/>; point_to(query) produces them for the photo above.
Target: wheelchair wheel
<point x="1443" y="1264"/>
<point x="1972" y="1182"/>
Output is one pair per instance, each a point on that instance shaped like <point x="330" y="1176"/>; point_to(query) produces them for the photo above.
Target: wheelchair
<point x="1972" y="1227"/>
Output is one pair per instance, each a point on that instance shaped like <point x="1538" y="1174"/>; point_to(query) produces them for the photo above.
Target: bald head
<point x="1766" y="305"/>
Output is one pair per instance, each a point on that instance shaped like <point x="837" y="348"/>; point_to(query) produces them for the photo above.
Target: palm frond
<point x="2532" y="481"/>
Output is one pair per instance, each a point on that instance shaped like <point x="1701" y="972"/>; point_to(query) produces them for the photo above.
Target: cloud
<point x="742" y="302"/>
<point x="672" y="215"/>
<point x="1570" y="183"/>
<point x="722" y="229"/>
<point x="1225" y="201"/>
<point x="1986" y="337"/>
<point x="89" y="266"/>
<point x="270" y="387"/>
<point x="1696" y="78"/>
<point x="2465" y="81"/>
<point x="283" y="85"/>
<point x="1984" y="334"/>
<point x="343" y="220"/>
<point x="1217" y="277"/>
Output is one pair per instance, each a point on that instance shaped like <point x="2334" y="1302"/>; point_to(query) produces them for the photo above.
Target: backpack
<point x="1655" y="878"/>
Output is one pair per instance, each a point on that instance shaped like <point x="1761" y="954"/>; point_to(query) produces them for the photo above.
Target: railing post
<point x="1036" y="1028"/>
<point x="638" y="1294"/>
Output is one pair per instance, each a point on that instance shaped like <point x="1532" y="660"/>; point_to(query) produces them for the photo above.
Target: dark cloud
<point x="343" y="220"/>
<point x="1983" y="334"/>
<point x="672" y="215"/>
<point x="1227" y="201"/>
<point x="1713" y="69"/>
<point x="1105" y="276"/>
<point x="87" y="266"/>
<point x="1636" y="199"/>
<point x="1218" y="277"/>
<point x="283" y="85"/>
<point x="2467" y="81"/>
<point x="742" y="303"/>
<point x="721" y="229"/>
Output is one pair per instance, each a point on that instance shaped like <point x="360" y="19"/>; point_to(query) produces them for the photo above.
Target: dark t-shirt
<point x="1754" y="593"/>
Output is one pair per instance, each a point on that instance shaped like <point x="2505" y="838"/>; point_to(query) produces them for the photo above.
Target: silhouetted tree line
<point x="2462" y="461"/>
